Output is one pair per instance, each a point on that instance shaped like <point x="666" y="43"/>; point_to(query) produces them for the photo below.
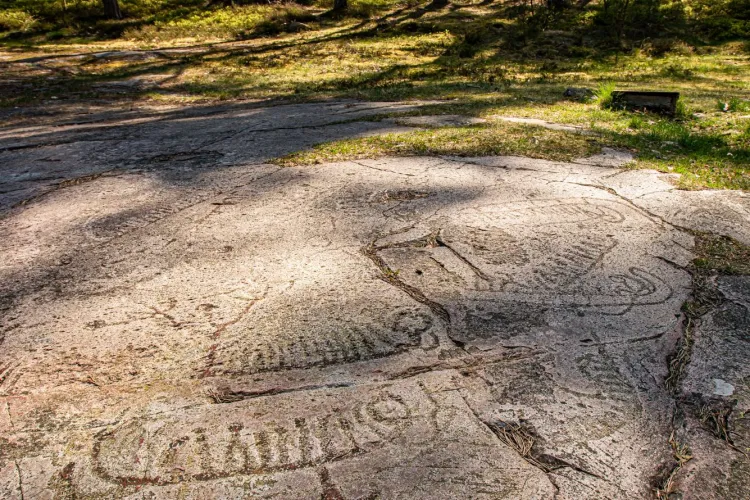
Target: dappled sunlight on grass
<point x="496" y="139"/>
<point x="471" y="55"/>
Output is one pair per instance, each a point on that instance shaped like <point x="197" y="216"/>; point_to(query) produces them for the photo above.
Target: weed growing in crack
<point x="222" y="395"/>
<point x="391" y="277"/>
<point x="680" y="451"/>
<point x="682" y="455"/>
<point x="704" y="298"/>
<point x="716" y="418"/>
<point x="391" y="273"/>
<point x="681" y="358"/>
<point x="519" y="439"/>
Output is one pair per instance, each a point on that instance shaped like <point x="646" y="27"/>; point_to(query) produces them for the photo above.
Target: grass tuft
<point x="603" y="95"/>
<point x="682" y="110"/>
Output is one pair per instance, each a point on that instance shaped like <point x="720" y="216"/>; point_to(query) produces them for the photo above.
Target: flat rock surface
<point x="181" y="319"/>
<point x="541" y="123"/>
<point x="438" y="121"/>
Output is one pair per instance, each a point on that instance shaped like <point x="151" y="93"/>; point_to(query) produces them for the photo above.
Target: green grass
<point x="733" y="104"/>
<point x="721" y="254"/>
<point x="703" y="153"/>
<point x="497" y="139"/>
<point x="163" y="21"/>
<point x="703" y="158"/>
<point x="603" y="95"/>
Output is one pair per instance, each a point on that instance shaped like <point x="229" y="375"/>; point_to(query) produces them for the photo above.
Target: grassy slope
<point x="470" y="55"/>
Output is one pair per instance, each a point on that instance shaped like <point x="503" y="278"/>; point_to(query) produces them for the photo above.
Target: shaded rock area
<point x="181" y="319"/>
<point x="543" y="123"/>
<point x="434" y="121"/>
<point x="579" y="94"/>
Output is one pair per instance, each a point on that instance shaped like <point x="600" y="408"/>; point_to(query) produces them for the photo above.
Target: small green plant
<point x="733" y="104"/>
<point x="603" y="95"/>
<point x="682" y="111"/>
<point x="391" y="273"/>
<point x="636" y="123"/>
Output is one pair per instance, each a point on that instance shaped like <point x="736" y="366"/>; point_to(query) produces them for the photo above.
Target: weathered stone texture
<point x="179" y="319"/>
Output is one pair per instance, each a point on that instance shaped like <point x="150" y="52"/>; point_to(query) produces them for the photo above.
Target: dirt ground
<point x="180" y="318"/>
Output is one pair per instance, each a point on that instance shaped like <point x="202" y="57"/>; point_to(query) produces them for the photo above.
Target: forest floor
<point x="467" y="58"/>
